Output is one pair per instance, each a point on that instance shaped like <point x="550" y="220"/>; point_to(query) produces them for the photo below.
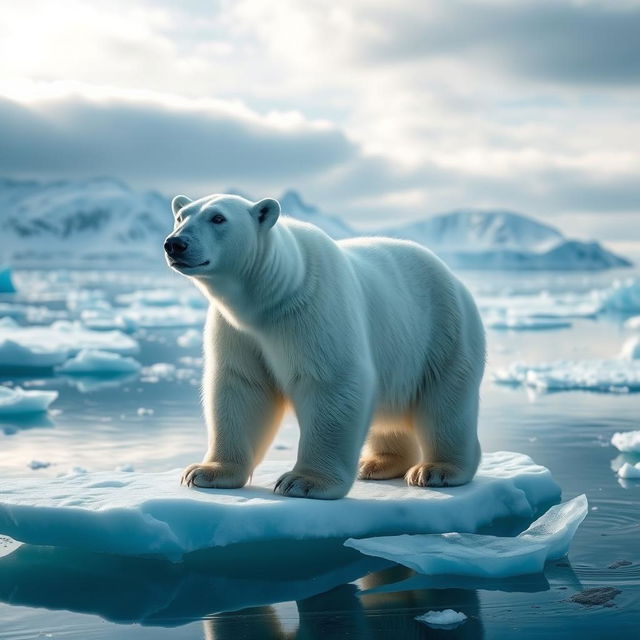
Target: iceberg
<point x="94" y="361"/>
<point x="149" y="513"/>
<point x="613" y="376"/>
<point x="18" y="401"/>
<point x="51" y="345"/>
<point x="626" y="441"/>
<point x="623" y="296"/>
<point x="468" y="554"/>
<point x="6" y="280"/>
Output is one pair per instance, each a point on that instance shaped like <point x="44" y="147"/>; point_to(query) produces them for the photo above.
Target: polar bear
<point x="378" y="347"/>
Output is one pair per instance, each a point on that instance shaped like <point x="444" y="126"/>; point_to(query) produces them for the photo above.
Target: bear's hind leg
<point x="389" y="452"/>
<point x="446" y="423"/>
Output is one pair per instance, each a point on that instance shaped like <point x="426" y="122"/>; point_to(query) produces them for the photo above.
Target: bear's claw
<point x="212" y="475"/>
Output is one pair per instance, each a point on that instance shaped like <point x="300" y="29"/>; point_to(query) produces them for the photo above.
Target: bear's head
<point x="219" y="234"/>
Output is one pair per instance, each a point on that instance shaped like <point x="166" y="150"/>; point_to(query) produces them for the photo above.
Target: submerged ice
<point x="149" y="513"/>
<point x="470" y="554"/>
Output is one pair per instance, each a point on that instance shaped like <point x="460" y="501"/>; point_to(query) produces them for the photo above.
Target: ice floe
<point x="175" y="316"/>
<point x="162" y="298"/>
<point x="629" y="471"/>
<point x="149" y="513"/>
<point x="615" y="376"/>
<point x="445" y="619"/>
<point x="6" y="280"/>
<point x="542" y="305"/>
<point x="48" y="346"/>
<point x="471" y="554"/>
<point x="510" y="322"/>
<point x="626" y="441"/>
<point x="94" y="361"/>
<point x="14" y="400"/>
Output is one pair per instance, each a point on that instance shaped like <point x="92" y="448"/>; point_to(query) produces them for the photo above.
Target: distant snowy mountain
<point x="82" y="222"/>
<point x="475" y="239"/>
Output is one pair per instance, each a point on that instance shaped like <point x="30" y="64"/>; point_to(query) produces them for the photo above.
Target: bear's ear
<point x="266" y="212"/>
<point x="178" y="203"/>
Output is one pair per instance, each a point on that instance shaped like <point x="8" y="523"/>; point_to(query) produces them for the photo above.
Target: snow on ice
<point x="96" y="362"/>
<point x="626" y="441"/>
<point x="149" y="513"/>
<point x="16" y="400"/>
<point x="469" y="554"/>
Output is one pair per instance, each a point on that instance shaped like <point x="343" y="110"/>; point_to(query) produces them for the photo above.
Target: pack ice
<point x="469" y="554"/>
<point x="149" y="513"/>
<point x="621" y="374"/>
<point x="49" y="346"/>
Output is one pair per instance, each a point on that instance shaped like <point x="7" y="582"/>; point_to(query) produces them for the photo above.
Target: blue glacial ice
<point x="470" y="554"/>
<point x="149" y="513"/>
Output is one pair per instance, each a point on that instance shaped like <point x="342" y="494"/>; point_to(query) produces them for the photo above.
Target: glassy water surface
<point x="320" y="589"/>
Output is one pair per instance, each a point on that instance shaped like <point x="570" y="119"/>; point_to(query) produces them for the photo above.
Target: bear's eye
<point x="218" y="219"/>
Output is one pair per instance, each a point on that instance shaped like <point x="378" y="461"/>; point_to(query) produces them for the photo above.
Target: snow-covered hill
<point x="102" y="220"/>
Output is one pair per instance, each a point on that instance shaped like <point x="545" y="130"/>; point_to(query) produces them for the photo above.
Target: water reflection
<point x="11" y="424"/>
<point x="337" y="592"/>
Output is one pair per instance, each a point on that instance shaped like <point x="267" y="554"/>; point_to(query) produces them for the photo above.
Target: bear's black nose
<point x="175" y="246"/>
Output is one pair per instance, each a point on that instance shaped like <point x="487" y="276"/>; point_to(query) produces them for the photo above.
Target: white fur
<point x="372" y="340"/>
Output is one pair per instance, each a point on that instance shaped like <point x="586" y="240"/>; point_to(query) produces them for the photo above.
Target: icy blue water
<point x="319" y="590"/>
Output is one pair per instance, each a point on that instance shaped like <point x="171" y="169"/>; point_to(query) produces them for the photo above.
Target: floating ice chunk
<point x="150" y="513"/>
<point x="470" y="554"/>
<point x="189" y="339"/>
<point x="94" y="361"/>
<point x="629" y="471"/>
<point x="631" y="349"/>
<point x="14" y="355"/>
<point x="38" y="464"/>
<point x="17" y="400"/>
<point x="524" y="323"/>
<point x="633" y="323"/>
<point x="51" y="345"/>
<point x="448" y="618"/>
<point x="626" y="441"/>
<point x="85" y="299"/>
<point x="623" y="296"/>
<point x="163" y="317"/>
<point x="142" y="411"/>
<point x="615" y="376"/>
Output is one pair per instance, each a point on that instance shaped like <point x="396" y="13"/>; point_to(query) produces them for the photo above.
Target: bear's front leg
<point x="334" y="418"/>
<point x="242" y="417"/>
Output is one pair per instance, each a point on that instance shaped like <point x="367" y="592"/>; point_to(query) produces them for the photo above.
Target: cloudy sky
<point x="379" y="111"/>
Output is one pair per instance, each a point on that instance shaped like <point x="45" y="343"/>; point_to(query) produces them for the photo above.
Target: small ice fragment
<point x="626" y="441"/>
<point x="191" y="338"/>
<point x="125" y="468"/>
<point x="144" y="412"/>
<point x="73" y="472"/>
<point x="38" y="464"/>
<point x="629" y="471"/>
<point x="448" y="618"/>
<point x="471" y="554"/>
